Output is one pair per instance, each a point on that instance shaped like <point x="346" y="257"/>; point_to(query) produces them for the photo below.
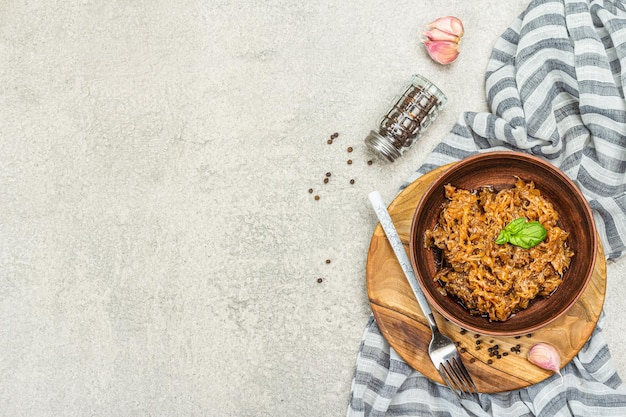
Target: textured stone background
<point x="159" y="250"/>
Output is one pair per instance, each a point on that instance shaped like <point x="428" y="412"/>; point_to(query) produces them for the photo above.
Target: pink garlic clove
<point x="442" y="39"/>
<point x="435" y="34"/>
<point x="545" y="356"/>
<point x="449" y="24"/>
<point x="443" y="52"/>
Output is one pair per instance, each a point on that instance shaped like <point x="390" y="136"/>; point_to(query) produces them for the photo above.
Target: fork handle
<point x="380" y="208"/>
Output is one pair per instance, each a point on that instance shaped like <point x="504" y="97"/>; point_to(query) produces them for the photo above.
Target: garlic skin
<point x="449" y="24"/>
<point x="443" y="52"/>
<point x="545" y="356"/>
<point x="442" y="38"/>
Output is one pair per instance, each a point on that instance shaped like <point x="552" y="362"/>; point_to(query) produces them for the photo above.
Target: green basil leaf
<point x="516" y="226"/>
<point x="519" y="240"/>
<point x="503" y="237"/>
<point x="521" y="233"/>
<point x="534" y="232"/>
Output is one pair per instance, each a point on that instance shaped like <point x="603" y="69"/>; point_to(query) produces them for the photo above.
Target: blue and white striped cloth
<point x="555" y="85"/>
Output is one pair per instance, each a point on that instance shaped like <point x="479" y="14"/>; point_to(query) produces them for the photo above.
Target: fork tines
<point x="457" y="378"/>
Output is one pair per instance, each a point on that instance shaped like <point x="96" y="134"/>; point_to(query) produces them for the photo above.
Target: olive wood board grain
<point x="403" y="324"/>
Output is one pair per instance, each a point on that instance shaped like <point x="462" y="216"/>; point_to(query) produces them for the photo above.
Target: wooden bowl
<point x="499" y="170"/>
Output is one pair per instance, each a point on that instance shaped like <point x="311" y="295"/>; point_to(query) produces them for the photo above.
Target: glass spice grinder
<point x="407" y="119"/>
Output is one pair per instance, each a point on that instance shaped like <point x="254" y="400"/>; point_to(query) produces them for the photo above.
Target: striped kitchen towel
<point x="555" y="86"/>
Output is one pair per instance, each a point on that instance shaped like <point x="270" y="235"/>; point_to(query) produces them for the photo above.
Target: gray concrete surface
<point x="159" y="249"/>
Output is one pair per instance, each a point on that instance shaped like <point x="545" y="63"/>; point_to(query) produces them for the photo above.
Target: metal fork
<point x="442" y="350"/>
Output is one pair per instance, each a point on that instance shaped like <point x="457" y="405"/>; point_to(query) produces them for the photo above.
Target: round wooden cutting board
<point x="404" y="326"/>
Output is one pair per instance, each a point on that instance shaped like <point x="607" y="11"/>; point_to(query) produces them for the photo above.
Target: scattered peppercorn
<point x="349" y="161"/>
<point x="310" y="190"/>
<point x="319" y="280"/>
<point x="494" y="351"/>
<point x="529" y="335"/>
<point x="328" y="174"/>
<point x="351" y="181"/>
<point x="329" y="141"/>
<point x="463" y="331"/>
<point x="334" y="135"/>
<point x="472" y="360"/>
<point x="489" y="361"/>
<point x="370" y="162"/>
<point x="350" y="149"/>
<point x="476" y="336"/>
<point x="327" y="261"/>
<point x="317" y="197"/>
<point x="325" y="180"/>
<point x="463" y="350"/>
